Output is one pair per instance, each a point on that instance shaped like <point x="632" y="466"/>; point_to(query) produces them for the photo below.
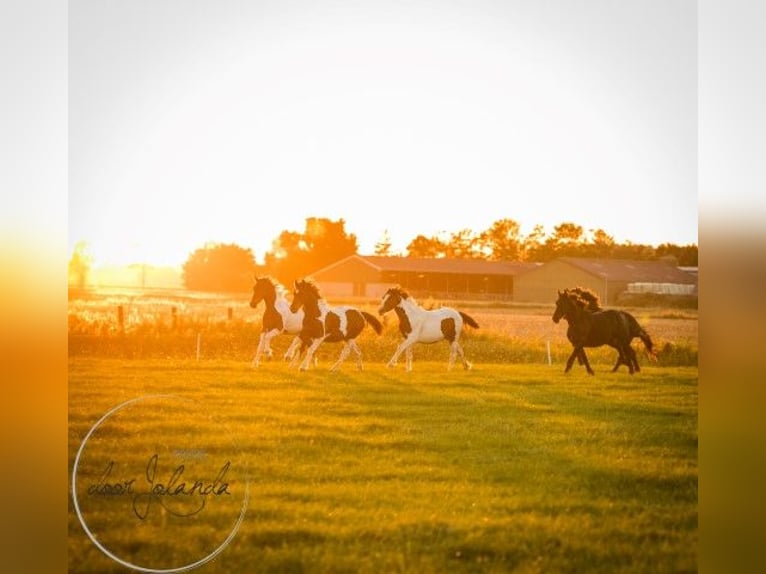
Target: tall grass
<point x="171" y="326"/>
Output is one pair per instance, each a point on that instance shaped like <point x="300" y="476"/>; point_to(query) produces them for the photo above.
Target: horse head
<point x="306" y="295"/>
<point x="565" y="305"/>
<point x="391" y="299"/>
<point x="263" y="290"/>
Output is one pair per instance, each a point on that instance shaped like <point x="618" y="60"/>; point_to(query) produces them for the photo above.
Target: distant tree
<point x="601" y="245"/>
<point x="295" y="255"/>
<point x="462" y="244"/>
<point x="502" y="241"/>
<point x="80" y="264"/>
<point x="219" y="267"/>
<point x="383" y="247"/>
<point x="423" y="246"/>
<point x="687" y="255"/>
<point x="533" y="244"/>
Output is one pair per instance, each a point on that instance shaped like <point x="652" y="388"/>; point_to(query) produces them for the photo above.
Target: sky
<point x="194" y="121"/>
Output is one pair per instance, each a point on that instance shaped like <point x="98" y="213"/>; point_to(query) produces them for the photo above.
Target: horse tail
<point x="468" y="320"/>
<point x="637" y="330"/>
<point x="373" y="322"/>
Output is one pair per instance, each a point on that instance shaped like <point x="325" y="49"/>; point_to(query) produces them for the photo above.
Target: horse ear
<point x="559" y="290"/>
<point x="295" y="284"/>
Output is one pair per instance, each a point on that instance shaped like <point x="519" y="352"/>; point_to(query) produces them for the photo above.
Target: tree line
<point x="230" y="267"/>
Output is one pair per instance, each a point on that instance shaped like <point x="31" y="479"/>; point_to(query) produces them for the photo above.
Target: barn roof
<point x="434" y="265"/>
<point x="632" y="271"/>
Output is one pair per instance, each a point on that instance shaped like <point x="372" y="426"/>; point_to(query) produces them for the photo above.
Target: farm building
<point x="371" y="275"/>
<point x="607" y="277"/>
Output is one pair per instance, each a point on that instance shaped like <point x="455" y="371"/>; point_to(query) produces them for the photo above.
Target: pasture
<point x="512" y="466"/>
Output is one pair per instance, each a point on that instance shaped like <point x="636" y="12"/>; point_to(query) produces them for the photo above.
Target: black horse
<point x="591" y="328"/>
<point x="332" y="324"/>
<point x="593" y="304"/>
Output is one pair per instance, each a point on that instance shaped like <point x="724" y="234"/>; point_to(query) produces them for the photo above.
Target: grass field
<point x="513" y="466"/>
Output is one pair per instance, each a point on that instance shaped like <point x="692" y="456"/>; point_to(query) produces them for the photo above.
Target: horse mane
<point x="400" y="291"/>
<point x="311" y="286"/>
<point x="590" y="298"/>
<point x="279" y="289"/>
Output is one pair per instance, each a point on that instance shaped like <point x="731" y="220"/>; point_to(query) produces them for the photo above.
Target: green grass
<point x="502" y="468"/>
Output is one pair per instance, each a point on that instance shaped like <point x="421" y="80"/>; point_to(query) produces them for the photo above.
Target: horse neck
<point x="577" y="314"/>
<point x="411" y="307"/>
<point x="269" y="299"/>
<point x="313" y="308"/>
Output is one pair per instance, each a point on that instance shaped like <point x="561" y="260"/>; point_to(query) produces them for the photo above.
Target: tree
<point x="502" y="241"/>
<point x="219" y="267"/>
<point x="462" y="244"/>
<point x="295" y="255"/>
<point x="80" y="264"/>
<point x="566" y="241"/>
<point x="532" y="246"/>
<point x="423" y="246"/>
<point x="601" y="244"/>
<point x="383" y="247"/>
<point x="687" y="255"/>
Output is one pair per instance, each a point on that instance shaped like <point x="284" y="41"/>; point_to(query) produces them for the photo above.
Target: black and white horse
<point x="332" y="324"/>
<point x="419" y="325"/>
<point x="277" y="317"/>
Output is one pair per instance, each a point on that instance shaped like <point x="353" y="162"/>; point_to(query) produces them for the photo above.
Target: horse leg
<point x="310" y="353"/>
<point x="264" y="346"/>
<point x="633" y="359"/>
<point x="258" y="350"/>
<point x="571" y="359"/>
<point x="403" y="346"/>
<point x="628" y="358"/>
<point x="358" y="354"/>
<point x="585" y="361"/>
<point x="296" y="356"/>
<point x="466" y="365"/>
<point x="290" y="353"/>
<point x="408" y="359"/>
<point x="343" y="356"/>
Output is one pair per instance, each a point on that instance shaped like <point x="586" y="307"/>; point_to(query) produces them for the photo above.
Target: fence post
<point x="199" y="344"/>
<point x="174" y="317"/>
<point x="230" y="313"/>
<point x="121" y="318"/>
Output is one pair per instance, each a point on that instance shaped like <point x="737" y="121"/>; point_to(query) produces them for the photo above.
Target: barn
<point x="370" y="276"/>
<point x="607" y="277"/>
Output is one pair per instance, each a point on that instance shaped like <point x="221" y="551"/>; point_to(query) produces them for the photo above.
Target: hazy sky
<point x="221" y="120"/>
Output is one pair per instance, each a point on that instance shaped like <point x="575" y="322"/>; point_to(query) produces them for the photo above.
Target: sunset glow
<point x="231" y="122"/>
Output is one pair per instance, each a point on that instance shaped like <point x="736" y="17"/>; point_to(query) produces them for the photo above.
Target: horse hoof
<point x="468" y="366"/>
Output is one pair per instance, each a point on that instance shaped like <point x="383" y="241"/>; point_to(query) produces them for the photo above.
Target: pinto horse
<point x="419" y="325"/>
<point x="332" y="324"/>
<point x="277" y="317"/>
<point x="634" y="328"/>
<point x="588" y="328"/>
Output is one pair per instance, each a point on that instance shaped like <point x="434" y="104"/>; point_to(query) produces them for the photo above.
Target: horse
<point x="277" y="317"/>
<point x="589" y="328"/>
<point x="332" y="324"/>
<point x="419" y="325"/>
<point x="634" y="328"/>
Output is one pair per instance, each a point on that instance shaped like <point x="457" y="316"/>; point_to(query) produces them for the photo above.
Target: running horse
<point x="419" y="325"/>
<point x="321" y="323"/>
<point x="277" y="317"/>
<point x="592" y="328"/>
<point x="593" y="304"/>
